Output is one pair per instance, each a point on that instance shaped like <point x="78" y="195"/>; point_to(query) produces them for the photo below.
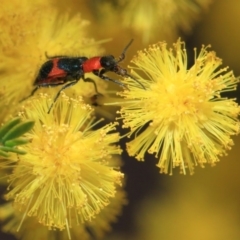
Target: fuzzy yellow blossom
<point x="28" y="31"/>
<point x="32" y="229"/>
<point x="162" y="17"/>
<point x="181" y="115"/>
<point x="94" y="228"/>
<point x="68" y="172"/>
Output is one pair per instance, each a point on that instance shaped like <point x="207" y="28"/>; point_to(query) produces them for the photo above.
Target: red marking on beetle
<point x="92" y="64"/>
<point x="56" y="71"/>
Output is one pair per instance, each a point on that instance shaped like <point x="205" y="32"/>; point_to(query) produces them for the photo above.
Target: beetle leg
<point x="57" y="95"/>
<point x="93" y="82"/>
<point x="32" y="93"/>
<point x="102" y="76"/>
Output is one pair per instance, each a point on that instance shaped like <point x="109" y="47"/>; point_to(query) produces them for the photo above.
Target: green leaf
<point x="4" y="154"/>
<point x="16" y="142"/>
<point x="9" y="149"/>
<point x="5" y="128"/>
<point x="18" y="130"/>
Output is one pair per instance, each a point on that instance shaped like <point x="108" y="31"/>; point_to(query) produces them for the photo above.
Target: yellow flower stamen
<point x="68" y="171"/>
<point x="96" y="227"/>
<point x="186" y="120"/>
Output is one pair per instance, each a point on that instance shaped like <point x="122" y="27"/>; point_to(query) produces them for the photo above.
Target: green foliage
<point x="10" y="136"/>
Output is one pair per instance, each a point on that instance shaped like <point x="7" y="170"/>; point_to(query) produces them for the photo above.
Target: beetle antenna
<point x="122" y="56"/>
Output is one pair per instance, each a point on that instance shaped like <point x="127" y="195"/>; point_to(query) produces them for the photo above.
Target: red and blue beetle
<point x="60" y="70"/>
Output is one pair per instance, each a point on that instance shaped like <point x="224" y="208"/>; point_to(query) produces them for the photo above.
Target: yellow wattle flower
<point x="181" y="116"/>
<point x="96" y="228"/>
<point x="68" y="172"/>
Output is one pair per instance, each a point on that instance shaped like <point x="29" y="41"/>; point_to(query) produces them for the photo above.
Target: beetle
<point x="67" y="71"/>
